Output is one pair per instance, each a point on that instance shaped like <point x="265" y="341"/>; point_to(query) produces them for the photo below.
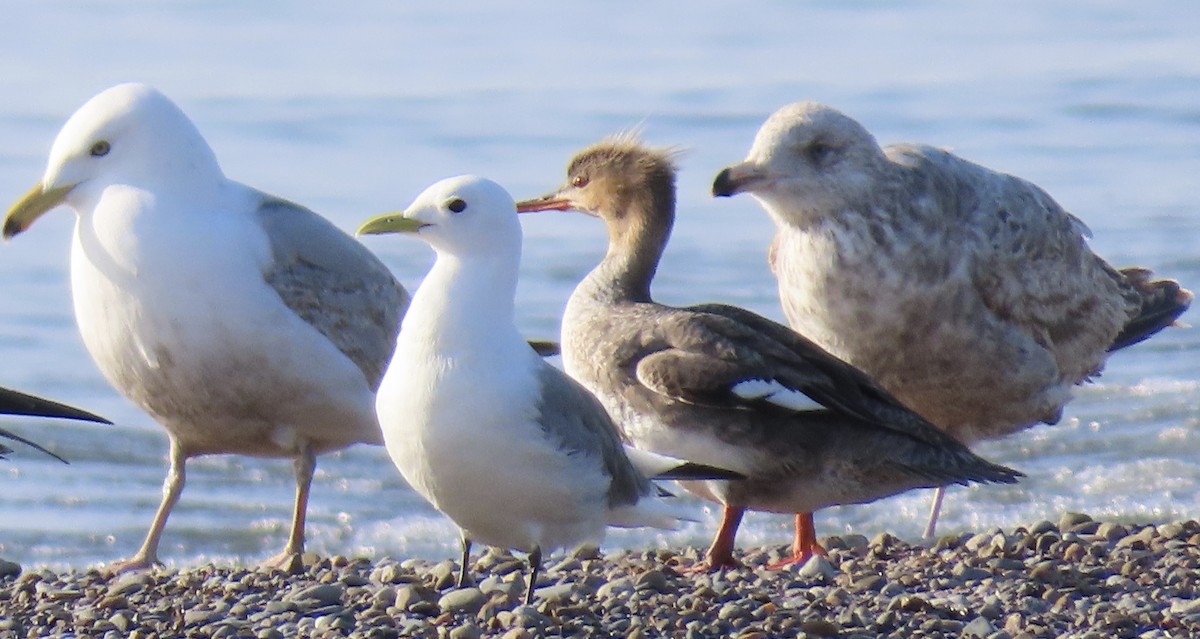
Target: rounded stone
<point x="462" y="600"/>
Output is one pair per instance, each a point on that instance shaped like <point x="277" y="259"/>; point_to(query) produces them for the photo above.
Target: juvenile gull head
<point x="969" y="294"/>
<point x="723" y="386"/>
<point x="239" y="321"/>
<point x="810" y="156"/>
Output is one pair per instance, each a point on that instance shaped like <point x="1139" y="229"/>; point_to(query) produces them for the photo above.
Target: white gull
<point x="511" y="449"/>
<point x="241" y="322"/>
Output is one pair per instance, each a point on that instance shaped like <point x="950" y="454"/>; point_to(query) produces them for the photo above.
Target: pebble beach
<point x="1077" y="577"/>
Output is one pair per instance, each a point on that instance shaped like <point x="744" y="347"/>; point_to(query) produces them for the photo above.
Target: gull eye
<point x="819" y="152"/>
<point x="100" y="149"/>
<point x="456" y="205"/>
<point x="579" y="181"/>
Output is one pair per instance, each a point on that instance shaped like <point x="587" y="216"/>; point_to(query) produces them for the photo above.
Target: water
<point x="354" y="111"/>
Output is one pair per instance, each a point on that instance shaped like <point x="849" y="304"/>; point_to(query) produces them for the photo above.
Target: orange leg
<point x="720" y="553"/>
<point x="804" y="546"/>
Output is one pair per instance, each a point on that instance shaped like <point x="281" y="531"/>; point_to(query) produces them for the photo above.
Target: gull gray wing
<point x="1028" y="259"/>
<point x="335" y="284"/>
<point x="579" y="423"/>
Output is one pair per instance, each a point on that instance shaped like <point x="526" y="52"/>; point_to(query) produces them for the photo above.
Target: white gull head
<point x="464" y="216"/>
<point x="130" y="135"/>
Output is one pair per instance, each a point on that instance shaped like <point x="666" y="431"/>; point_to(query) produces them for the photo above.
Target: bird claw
<point x="291" y="563"/>
<point x="800" y="556"/>
<point x="134" y="563"/>
<point x="711" y="565"/>
<point x="795" y="560"/>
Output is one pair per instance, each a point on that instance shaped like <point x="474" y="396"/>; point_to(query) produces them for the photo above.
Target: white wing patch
<point x="776" y="393"/>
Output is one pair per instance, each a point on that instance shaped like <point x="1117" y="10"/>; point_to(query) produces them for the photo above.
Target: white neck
<point x="464" y="305"/>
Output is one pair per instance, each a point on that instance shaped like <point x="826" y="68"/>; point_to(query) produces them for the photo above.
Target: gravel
<point x="1073" y="578"/>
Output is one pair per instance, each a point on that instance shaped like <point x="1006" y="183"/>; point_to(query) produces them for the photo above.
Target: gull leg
<point x="805" y="544"/>
<point x="931" y="527"/>
<point x="172" y="488"/>
<point x="535" y="567"/>
<point x="304" y="465"/>
<point x="463" y="576"/>
<point x="720" y="553"/>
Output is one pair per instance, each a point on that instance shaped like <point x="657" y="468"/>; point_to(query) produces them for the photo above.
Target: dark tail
<point x="1163" y="301"/>
<point x="981" y="471"/>
<point x="956" y="464"/>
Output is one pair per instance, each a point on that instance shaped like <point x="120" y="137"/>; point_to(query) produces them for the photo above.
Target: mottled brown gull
<point x="969" y="294"/>
<point x="17" y="403"/>
<point x="241" y="322"/>
<point x="517" y="453"/>
<point x="720" y="385"/>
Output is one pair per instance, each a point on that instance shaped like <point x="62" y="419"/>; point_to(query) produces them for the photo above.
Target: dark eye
<point x="820" y="152"/>
<point x="100" y="148"/>
<point x="579" y="181"/>
<point x="457" y="205"/>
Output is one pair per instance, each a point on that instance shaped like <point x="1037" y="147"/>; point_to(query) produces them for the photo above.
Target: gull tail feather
<point x="654" y="510"/>
<point x="656" y="466"/>
<point x="1162" y="302"/>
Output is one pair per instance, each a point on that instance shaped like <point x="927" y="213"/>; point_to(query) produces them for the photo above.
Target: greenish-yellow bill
<point x="29" y="208"/>
<point x="389" y="223"/>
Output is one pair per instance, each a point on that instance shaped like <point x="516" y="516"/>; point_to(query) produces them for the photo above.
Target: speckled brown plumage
<point x="969" y="294"/>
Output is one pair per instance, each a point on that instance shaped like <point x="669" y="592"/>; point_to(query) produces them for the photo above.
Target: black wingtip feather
<point x="545" y="348"/>
<point x="15" y="437"/>
<point x="16" y="403"/>
<point x="694" y="471"/>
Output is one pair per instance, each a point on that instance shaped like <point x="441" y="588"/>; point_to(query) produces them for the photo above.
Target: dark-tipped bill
<point x="736" y="179"/>
<point x="35" y="203"/>
<point x="390" y="223"/>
